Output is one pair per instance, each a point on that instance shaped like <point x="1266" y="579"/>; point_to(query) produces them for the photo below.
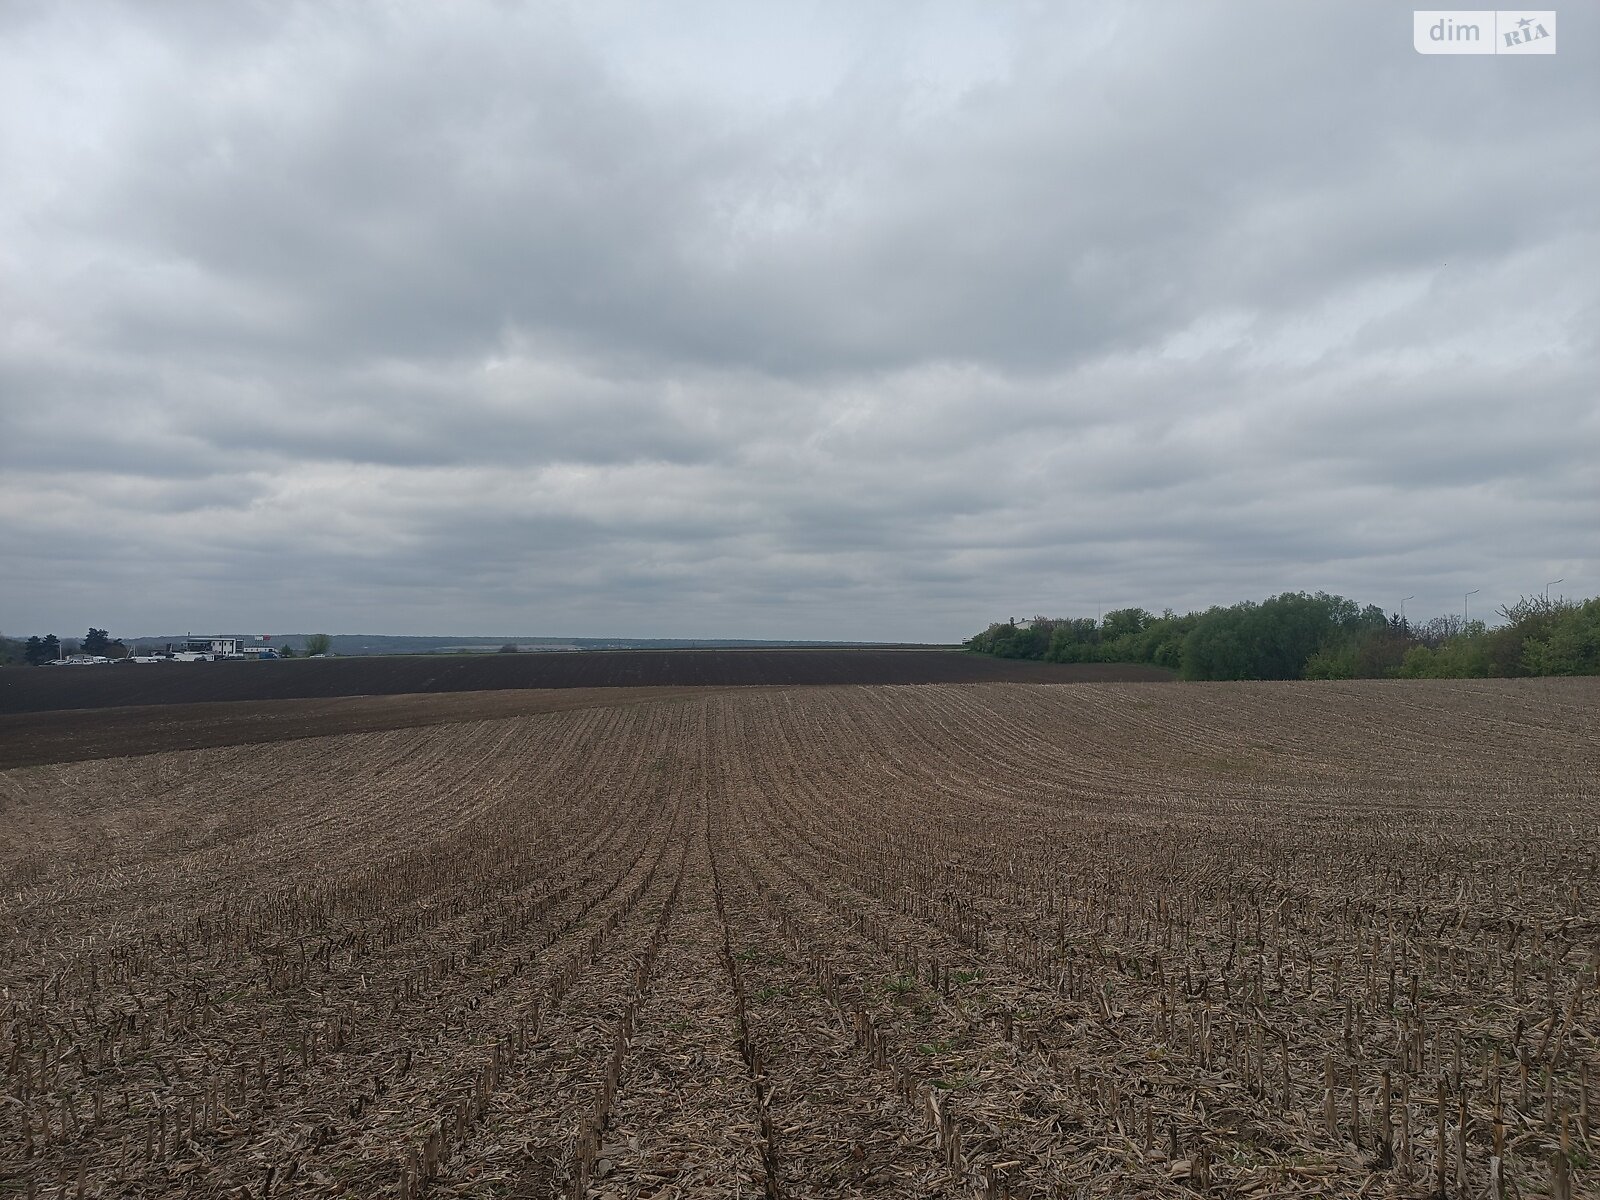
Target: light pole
<point x="1473" y="592"/>
<point x="1403" y="600"/>
<point x="1547" y="587"/>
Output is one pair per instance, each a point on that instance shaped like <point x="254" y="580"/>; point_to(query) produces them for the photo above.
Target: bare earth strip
<point x="1238" y="940"/>
<point x="39" y="689"/>
<point x="73" y="735"/>
<point x="686" y="1121"/>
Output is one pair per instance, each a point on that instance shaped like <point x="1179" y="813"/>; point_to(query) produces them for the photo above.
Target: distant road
<point x="44" y="689"/>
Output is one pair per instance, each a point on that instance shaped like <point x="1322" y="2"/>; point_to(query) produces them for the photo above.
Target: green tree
<point x="1216" y="648"/>
<point x="1274" y="639"/>
<point x="1571" y="644"/>
<point x="318" y="643"/>
<point x="96" y="641"/>
<point x="1421" y="662"/>
<point x="1010" y="640"/>
<point x="1322" y="636"/>
<point x="1379" y="653"/>
<point x="1122" y="622"/>
<point x="35" y="651"/>
<point x="1075" y="640"/>
<point x="1332" y="662"/>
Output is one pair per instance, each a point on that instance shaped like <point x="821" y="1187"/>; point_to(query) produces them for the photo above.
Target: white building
<point x="210" y="649"/>
<point x="212" y="645"/>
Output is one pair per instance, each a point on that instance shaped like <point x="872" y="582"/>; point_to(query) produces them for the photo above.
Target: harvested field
<point x="995" y="940"/>
<point x="71" y="735"/>
<point x="42" y="689"/>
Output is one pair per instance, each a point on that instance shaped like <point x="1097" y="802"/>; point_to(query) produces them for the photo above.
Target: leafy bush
<point x="1570" y="645"/>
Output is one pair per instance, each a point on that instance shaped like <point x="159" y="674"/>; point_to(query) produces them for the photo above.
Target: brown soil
<point x="1240" y="940"/>
<point x="37" y="689"/>
<point x="76" y="734"/>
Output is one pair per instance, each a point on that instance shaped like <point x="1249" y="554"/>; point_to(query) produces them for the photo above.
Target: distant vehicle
<point x="80" y="660"/>
<point x="321" y="656"/>
<point x="143" y="658"/>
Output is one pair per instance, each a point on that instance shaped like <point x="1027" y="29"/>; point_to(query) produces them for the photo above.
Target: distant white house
<point x="211" y="645"/>
<point x="207" y="649"/>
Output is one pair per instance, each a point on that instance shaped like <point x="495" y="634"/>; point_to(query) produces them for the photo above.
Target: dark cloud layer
<point x="725" y="320"/>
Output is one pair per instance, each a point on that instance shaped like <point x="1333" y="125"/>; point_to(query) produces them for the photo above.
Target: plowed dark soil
<point x="41" y="689"/>
<point x="78" y="734"/>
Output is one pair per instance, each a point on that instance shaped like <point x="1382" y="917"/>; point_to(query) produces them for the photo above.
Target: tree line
<point x="1302" y="636"/>
<point x="36" y="650"/>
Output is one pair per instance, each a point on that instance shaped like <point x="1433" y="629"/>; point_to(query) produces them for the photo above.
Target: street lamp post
<point x="1473" y="592"/>
<point x="1403" y="600"/>
<point x="1548" y="586"/>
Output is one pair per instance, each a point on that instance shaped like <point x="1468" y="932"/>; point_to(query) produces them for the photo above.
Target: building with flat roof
<point x="212" y="645"/>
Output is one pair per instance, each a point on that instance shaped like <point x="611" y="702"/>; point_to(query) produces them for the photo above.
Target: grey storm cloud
<point x="811" y="321"/>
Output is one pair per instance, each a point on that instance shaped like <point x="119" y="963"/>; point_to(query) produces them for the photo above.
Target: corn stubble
<point x="990" y="940"/>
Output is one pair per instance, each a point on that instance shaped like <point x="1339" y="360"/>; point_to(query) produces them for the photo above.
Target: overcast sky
<point x="871" y="321"/>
